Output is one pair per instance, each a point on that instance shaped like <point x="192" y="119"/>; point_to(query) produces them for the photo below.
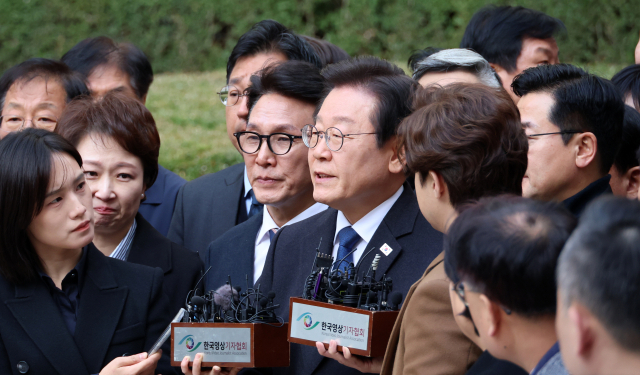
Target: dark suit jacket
<point x="232" y="255"/>
<point x="490" y="365"/>
<point x="207" y="207"/>
<point x="182" y="268"/>
<point x="414" y="242"/>
<point x="121" y="310"/>
<point x="161" y="199"/>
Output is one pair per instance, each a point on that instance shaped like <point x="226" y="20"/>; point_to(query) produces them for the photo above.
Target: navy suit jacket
<point x="161" y="199"/>
<point x="232" y="255"/>
<point x="207" y="207"/>
<point x="182" y="268"/>
<point x="121" y="310"/>
<point x="414" y="242"/>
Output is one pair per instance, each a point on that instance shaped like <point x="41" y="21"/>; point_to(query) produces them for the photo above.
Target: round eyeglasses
<point x="333" y="137"/>
<point x="279" y="143"/>
<point x="230" y="95"/>
<point x="12" y="123"/>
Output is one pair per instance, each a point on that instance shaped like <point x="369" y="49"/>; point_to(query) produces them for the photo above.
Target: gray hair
<point x="458" y="59"/>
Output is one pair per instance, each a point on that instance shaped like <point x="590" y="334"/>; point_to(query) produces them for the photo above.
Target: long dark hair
<point x="25" y="170"/>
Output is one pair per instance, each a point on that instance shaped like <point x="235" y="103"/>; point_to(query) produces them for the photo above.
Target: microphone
<point x="395" y="298"/>
<point x="225" y="296"/>
<point x="197" y="304"/>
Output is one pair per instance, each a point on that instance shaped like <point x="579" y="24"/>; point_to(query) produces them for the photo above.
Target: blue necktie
<point x="256" y="207"/>
<point x="272" y="232"/>
<point x="348" y="239"/>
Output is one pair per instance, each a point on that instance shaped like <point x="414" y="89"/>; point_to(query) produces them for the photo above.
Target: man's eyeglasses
<point x="562" y="132"/>
<point x="230" y="95"/>
<point x="332" y="136"/>
<point x="460" y="291"/>
<point x="15" y="123"/>
<point x="279" y="143"/>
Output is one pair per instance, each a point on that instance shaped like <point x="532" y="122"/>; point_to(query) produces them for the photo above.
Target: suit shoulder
<point x="208" y="180"/>
<point x="131" y="271"/>
<point x="325" y="217"/>
<point x="171" y="178"/>
<point x="243" y="231"/>
<point x="183" y="256"/>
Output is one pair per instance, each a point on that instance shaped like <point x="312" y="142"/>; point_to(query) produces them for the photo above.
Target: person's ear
<point x="492" y="314"/>
<point x="438" y="186"/>
<point x="586" y="148"/>
<point x="633" y="184"/>
<point x="581" y="320"/>
<point x="396" y="163"/>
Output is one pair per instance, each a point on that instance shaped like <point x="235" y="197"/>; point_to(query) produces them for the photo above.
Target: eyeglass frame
<point x="459" y="289"/>
<point x="24" y="120"/>
<point x="326" y="139"/>
<point x="268" y="138"/>
<point x="240" y="96"/>
<point x="553" y="133"/>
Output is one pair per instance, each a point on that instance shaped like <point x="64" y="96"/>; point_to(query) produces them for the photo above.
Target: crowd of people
<point x="497" y="186"/>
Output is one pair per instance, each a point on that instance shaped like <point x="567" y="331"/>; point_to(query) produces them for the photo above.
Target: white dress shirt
<point x="365" y="227"/>
<point x="263" y="241"/>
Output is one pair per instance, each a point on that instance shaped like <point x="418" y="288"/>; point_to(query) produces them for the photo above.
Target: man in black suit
<point x="282" y="99"/>
<point x="574" y="124"/>
<point x="210" y="205"/>
<point x="356" y="170"/>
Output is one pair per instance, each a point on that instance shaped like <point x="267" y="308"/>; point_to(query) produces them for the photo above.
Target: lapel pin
<point x="386" y="249"/>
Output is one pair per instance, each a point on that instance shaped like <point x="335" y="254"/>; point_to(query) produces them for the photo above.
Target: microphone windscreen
<point x="271" y="295"/>
<point x="263" y="302"/>
<point x="222" y="297"/>
<point x="197" y="301"/>
<point x="237" y="288"/>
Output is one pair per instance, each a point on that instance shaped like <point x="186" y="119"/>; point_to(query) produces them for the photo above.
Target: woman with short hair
<point x="119" y="144"/>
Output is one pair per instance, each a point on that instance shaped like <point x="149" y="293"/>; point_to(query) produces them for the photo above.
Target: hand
<point x="139" y="364"/>
<point x="197" y="365"/>
<point x="638" y="53"/>
<point x="362" y="364"/>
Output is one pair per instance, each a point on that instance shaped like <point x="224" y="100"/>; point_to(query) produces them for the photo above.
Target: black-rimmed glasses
<point x="333" y="137"/>
<point x="562" y="132"/>
<point x="12" y="123"/>
<point x="279" y="143"/>
<point x="230" y="95"/>
<point x="460" y="291"/>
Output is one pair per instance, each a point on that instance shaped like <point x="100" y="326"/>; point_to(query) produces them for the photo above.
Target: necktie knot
<point x="348" y="238"/>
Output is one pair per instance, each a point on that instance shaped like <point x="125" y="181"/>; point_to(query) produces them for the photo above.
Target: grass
<point x="191" y="120"/>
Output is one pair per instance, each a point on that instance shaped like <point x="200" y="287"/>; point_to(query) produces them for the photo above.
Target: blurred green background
<point x="189" y="41"/>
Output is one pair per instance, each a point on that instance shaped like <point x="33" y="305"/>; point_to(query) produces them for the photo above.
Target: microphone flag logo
<point x="307" y="321"/>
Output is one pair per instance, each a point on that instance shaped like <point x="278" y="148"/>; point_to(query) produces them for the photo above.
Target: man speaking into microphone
<point x="355" y="170"/>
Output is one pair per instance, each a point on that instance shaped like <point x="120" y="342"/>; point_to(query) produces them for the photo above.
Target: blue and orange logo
<point x="189" y="343"/>
<point x="307" y="320"/>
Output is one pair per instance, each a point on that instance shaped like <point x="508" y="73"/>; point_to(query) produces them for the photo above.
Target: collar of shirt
<point x="366" y="226"/>
<point x="122" y="250"/>
<point x="555" y="349"/>
<point x="577" y="203"/>
<point x="263" y="241"/>
<point x="78" y="270"/>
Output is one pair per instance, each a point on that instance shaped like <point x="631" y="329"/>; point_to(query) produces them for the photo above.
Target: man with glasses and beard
<point x="210" y="205"/>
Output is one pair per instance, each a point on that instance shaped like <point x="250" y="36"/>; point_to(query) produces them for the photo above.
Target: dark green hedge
<point x="190" y="35"/>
